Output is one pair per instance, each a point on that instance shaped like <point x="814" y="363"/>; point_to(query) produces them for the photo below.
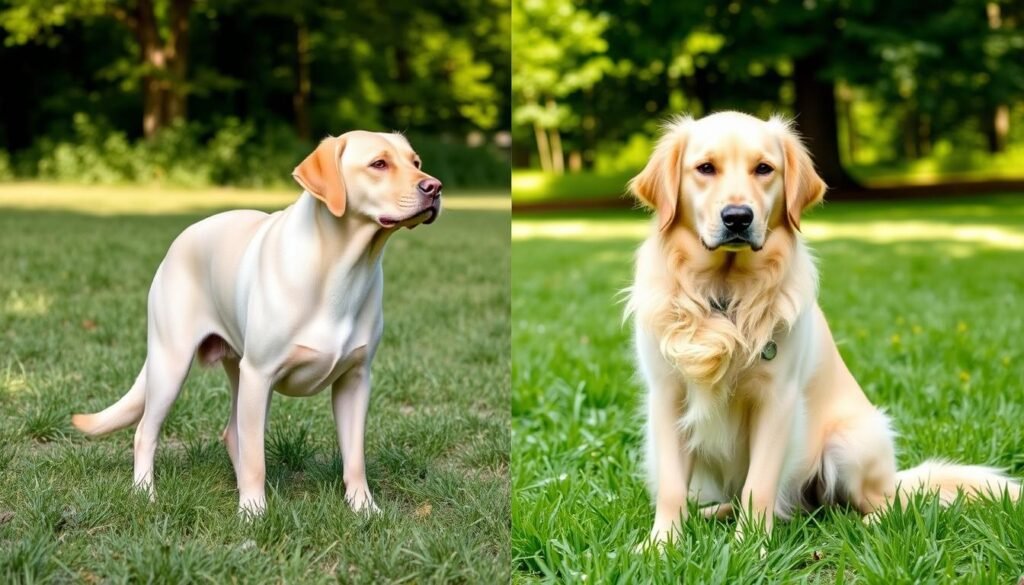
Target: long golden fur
<point x="725" y="418"/>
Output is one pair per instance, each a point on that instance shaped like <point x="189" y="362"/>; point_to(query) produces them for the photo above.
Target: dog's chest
<point x="307" y="371"/>
<point x="331" y="339"/>
<point x="717" y="420"/>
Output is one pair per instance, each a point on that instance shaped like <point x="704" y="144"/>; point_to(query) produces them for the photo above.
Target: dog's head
<point x="373" y="175"/>
<point x="730" y="177"/>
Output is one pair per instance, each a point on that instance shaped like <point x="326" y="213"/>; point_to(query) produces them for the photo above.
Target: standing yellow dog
<point x="288" y="302"/>
<point x="748" y="396"/>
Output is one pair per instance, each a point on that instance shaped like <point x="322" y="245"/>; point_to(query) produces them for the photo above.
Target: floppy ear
<point x="803" y="187"/>
<point x="320" y="174"/>
<point x="658" y="185"/>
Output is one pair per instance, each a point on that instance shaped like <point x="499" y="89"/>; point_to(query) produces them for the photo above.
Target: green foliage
<point x="235" y="154"/>
<point x="929" y="75"/>
<point x="436" y="69"/>
<point x="232" y="153"/>
<point x="6" y="170"/>
<point x="917" y="296"/>
<point x="532" y="186"/>
<point x="458" y="165"/>
<point x="27" y="20"/>
<point x="559" y="50"/>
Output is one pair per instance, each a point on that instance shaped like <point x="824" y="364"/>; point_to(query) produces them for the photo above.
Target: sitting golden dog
<point x="748" y="396"/>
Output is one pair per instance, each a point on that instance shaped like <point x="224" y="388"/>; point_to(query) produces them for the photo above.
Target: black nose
<point x="737" y="217"/>
<point x="430" y="188"/>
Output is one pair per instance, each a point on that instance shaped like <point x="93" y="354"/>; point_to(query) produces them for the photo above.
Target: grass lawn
<point x="925" y="300"/>
<point x="75" y="267"/>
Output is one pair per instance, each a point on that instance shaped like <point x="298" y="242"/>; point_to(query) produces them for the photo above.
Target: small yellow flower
<point x="1006" y="360"/>
<point x="895" y="339"/>
<point x="917" y="329"/>
<point x="965" y="377"/>
<point x="961" y="327"/>
<point x="862" y="333"/>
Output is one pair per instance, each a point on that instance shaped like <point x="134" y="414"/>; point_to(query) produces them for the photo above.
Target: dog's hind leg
<point x="230" y="434"/>
<point x="859" y="463"/>
<point x="166" y="369"/>
<point x="171" y="344"/>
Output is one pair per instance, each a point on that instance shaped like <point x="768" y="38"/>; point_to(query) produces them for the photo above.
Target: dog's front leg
<point x="351" y="399"/>
<point x="671" y="460"/>
<point x="771" y="427"/>
<point x="254" y="392"/>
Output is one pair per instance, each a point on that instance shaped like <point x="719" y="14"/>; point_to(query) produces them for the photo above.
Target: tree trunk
<point x="846" y="97"/>
<point x="300" y="99"/>
<point x="543" y="150"/>
<point x="557" y="156"/>
<point x="177" y="60"/>
<point x="165" y="64"/>
<point x="575" y="161"/>
<point x="702" y="89"/>
<point x="153" y="62"/>
<point x="997" y="127"/>
<point x="924" y="135"/>
<point x="816" y="119"/>
<point x="911" y="125"/>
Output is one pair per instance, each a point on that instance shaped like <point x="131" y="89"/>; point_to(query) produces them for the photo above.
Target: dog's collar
<point x="769" y="351"/>
<point x="721" y="305"/>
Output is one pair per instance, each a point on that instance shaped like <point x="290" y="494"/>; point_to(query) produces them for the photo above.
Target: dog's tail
<point x="947" y="480"/>
<point x="125" y="412"/>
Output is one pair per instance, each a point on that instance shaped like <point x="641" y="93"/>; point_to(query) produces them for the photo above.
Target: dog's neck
<point x="756" y="293"/>
<point x="730" y="279"/>
<point x="348" y="249"/>
<point x="349" y="240"/>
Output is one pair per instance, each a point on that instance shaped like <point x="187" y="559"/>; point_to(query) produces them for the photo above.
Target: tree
<point x="807" y="39"/>
<point x="160" y="29"/>
<point x="559" y="51"/>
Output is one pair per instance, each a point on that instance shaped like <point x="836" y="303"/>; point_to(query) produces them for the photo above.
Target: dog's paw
<point x="757" y="534"/>
<point x="361" y="502"/>
<point x="872" y="519"/>
<point x="652" y="542"/>
<point x="662" y="535"/>
<point x="145" y="487"/>
<point x="717" y="511"/>
<point x="252" y="506"/>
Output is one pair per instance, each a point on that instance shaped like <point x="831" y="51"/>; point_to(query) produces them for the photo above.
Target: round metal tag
<point x="769" y="351"/>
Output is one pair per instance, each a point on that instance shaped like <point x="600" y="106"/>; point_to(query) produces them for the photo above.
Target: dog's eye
<point x="379" y="164"/>
<point x="417" y="163"/>
<point x="706" y="169"/>
<point x="763" y="169"/>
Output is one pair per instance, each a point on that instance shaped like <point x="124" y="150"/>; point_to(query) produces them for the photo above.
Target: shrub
<point x="227" y="152"/>
<point x="6" y="170"/>
<point x="458" y="165"/>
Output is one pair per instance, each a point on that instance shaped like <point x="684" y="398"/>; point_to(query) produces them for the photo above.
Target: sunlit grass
<point x="922" y="298"/>
<point x="75" y="267"/>
<point x="879" y="232"/>
<point x="530" y="186"/>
